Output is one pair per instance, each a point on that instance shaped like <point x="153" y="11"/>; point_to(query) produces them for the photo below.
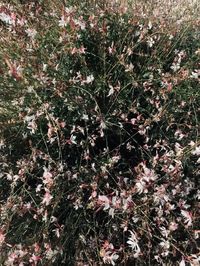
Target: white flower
<point x="50" y="254"/>
<point x="187" y="216"/>
<point x="150" y="42"/>
<point x="6" y="18"/>
<point x="111" y="91"/>
<point x="104" y="201"/>
<point x="31" y="33"/>
<point x="85" y="117"/>
<point x="111" y="212"/>
<point x="47" y="198"/>
<point x="141" y="186"/>
<point x="195" y="74"/>
<point x="198" y="194"/>
<point x="195" y="260"/>
<point x="115" y="159"/>
<point x="102" y="125"/>
<point x="149" y="25"/>
<point x="89" y="79"/>
<point x="133" y="243"/>
<point x="62" y="22"/>
<point x="81" y="24"/>
<point x="182" y="263"/>
<point x="175" y="67"/>
<point x="73" y="139"/>
<point x="110" y="257"/>
<point x="164" y="231"/>
<point x="165" y="244"/>
<point x="196" y="151"/>
<point x="69" y="10"/>
<point x="129" y="67"/>
<point x="114" y="257"/>
<point x="149" y="175"/>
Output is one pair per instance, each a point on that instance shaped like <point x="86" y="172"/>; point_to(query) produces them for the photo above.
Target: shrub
<point x="100" y="160"/>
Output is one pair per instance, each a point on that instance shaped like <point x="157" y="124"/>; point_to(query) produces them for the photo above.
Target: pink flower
<point x="173" y="226"/>
<point x="47" y="198"/>
<point x="103" y="200"/>
<point x="2" y="237"/>
<point x="47" y="178"/>
<point x="108" y="254"/>
<point x="35" y="259"/>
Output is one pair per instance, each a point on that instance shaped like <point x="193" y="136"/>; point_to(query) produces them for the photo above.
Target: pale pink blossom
<point x="47" y="198"/>
<point x="47" y="178"/>
<point x="63" y="22"/>
<point x="2" y="237"/>
<point x="104" y="201"/>
<point x="173" y="226"/>
<point x="35" y="259"/>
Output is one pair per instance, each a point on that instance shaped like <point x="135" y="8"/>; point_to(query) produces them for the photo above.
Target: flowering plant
<point x="100" y="135"/>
